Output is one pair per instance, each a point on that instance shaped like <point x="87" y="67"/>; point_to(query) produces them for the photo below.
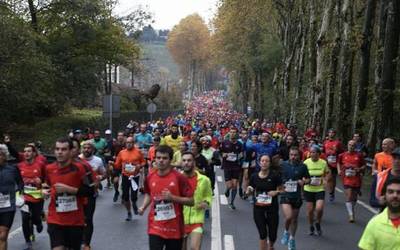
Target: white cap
<point x="108" y="132"/>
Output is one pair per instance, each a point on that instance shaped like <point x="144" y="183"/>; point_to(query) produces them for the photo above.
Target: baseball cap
<point x="108" y="132"/>
<point x="78" y="131"/>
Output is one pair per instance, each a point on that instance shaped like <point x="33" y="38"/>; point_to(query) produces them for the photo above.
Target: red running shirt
<point x="171" y="226"/>
<point x="348" y="162"/>
<point x="71" y="175"/>
<point x="30" y="173"/>
<point x="332" y="149"/>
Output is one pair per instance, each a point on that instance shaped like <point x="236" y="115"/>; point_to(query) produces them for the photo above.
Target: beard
<point x="394" y="208"/>
<point x="174" y="135"/>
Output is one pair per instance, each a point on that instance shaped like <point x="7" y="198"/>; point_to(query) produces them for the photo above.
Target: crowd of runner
<point x="172" y="162"/>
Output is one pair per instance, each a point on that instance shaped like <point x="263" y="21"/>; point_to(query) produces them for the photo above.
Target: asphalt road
<point x="225" y="230"/>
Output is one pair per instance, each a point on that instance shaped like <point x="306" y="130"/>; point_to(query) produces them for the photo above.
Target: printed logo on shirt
<point x="172" y="184"/>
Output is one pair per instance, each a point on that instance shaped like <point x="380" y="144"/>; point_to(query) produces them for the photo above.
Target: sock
<point x="349" y="207"/>
<point x="234" y="191"/>
<point x="291" y="237"/>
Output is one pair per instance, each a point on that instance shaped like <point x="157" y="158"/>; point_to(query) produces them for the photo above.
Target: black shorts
<point x="116" y="173"/>
<point x="232" y="173"/>
<point x="158" y="243"/>
<point x="67" y="236"/>
<point x="356" y="189"/>
<point x="314" y="196"/>
<point x="294" y="202"/>
<point x="7" y="219"/>
<point x="334" y="171"/>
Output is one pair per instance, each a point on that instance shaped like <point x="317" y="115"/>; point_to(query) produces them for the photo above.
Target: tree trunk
<point x="387" y="83"/>
<point x="321" y="65"/>
<point x="347" y="57"/>
<point x="363" y="75"/>
<point x="332" y="78"/>
<point x="33" y="13"/>
<point x="261" y="96"/>
<point x="312" y="60"/>
<point x="373" y="141"/>
<point x="276" y="109"/>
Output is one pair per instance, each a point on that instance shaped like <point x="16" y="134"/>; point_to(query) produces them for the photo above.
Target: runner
<point x="177" y="158"/>
<point x="166" y="191"/>
<point x="232" y="153"/>
<point x="382" y="231"/>
<point x="212" y="156"/>
<point x="294" y="176"/>
<point x="143" y="140"/>
<point x="350" y="167"/>
<point x="152" y="152"/>
<point x="32" y="173"/>
<point x="97" y="166"/>
<point x="174" y="139"/>
<point x="332" y="147"/>
<point x="383" y="160"/>
<point x="265" y="187"/>
<point x="194" y="216"/>
<point x="10" y="179"/>
<point x="314" y="192"/>
<point x="69" y="183"/>
<point x="383" y="177"/>
<point x="118" y="146"/>
<point x="130" y="160"/>
<point x="99" y="143"/>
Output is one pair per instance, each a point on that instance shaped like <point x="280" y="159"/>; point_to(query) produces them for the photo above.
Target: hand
<point x="202" y="205"/>
<point x="300" y="182"/>
<point x="249" y="190"/>
<point x="62" y="188"/>
<point x="224" y="155"/>
<point x="141" y="211"/>
<point x="46" y="192"/>
<point x="7" y="139"/>
<point x="273" y="193"/>
<point x="166" y="195"/>
<point x="38" y="180"/>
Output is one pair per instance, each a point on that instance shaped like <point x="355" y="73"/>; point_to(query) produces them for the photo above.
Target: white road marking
<point x="219" y="178"/>
<point x="14" y="233"/>
<point x="224" y="200"/>
<point x="366" y="206"/>
<point x="228" y="242"/>
<point x="216" y="243"/>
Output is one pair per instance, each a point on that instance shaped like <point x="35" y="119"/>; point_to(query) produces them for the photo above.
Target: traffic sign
<point x="151" y="108"/>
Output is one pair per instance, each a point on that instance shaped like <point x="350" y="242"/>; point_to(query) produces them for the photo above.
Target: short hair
<point x="294" y="148"/>
<point x="187" y="153"/>
<point x="66" y="140"/>
<point x="164" y="149"/>
<point x="77" y="142"/>
<point x="390" y="181"/>
<point x="88" y="142"/>
<point x="32" y="146"/>
<point x="156" y="139"/>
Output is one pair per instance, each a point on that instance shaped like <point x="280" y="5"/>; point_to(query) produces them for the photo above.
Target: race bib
<point x="291" y="186"/>
<point x="315" y="181"/>
<point x="331" y="159"/>
<point x="134" y="185"/>
<point x="264" y="199"/>
<point x="231" y="157"/>
<point x="349" y="172"/>
<point x="164" y="211"/>
<point x="5" y="201"/>
<point x="66" y="203"/>
<point x="129" y="167"/>
<point x="145" y="152"/>
<point x="25" y="208"/>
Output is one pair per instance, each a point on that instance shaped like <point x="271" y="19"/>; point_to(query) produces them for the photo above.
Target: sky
<point x="167" y="13"/>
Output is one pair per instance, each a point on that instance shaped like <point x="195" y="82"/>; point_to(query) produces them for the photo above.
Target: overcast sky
<point x="167" y="13"/>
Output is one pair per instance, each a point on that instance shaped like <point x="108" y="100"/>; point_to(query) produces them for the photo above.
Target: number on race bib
<point x="164" y="211"/>
<point x="129" y="167"/>
<point x="291" y="186"/>
<point x="349" y="172"/>
<point x="5" y="201"/>
<point x="66" y="203"/>
<point x="331" y="159"/>
<point x="315" y="181"/>
<point x="231" y="157"/>
<point x="263" y="199"/>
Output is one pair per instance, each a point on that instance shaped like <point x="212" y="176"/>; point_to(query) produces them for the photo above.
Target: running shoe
<point x="312" y="229"/>
<point x="115" y="198"/>
<point x="285" y="238"/>
<point x="318" y="227"/>
<point x="231" y="206"/>
<point x="292" y="244"/>
<point x="129" y="217"/>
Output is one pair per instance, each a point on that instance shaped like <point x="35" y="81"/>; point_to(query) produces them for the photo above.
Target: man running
<point x="382" y="231"/>
<point x="194" y="216"/>
<point x="174" y="139"/>
<point x="166" y="191"/>
<point x="130" y="161"/>
<point x="118" y="146"/>
<point x="232" y="153"/>
<point x="314" y="192"/>
<point x="97" y="166"/>
<point x="69" y="184"/>
<point x="10" y="178"/>
<point x="350" y="167"/>
<point x="384" y="160"/>
<point x="294" y="176"/>
<point x="32" y="173"/>
<point x="332" y="147"/>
